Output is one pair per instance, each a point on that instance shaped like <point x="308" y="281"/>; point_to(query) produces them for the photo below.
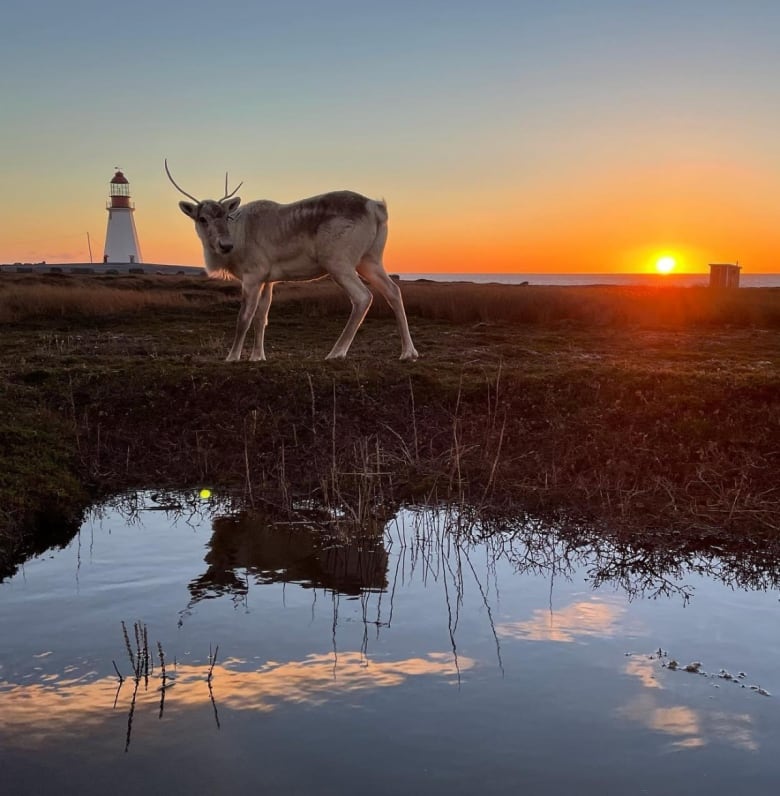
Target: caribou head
<point x="211" y="216"/>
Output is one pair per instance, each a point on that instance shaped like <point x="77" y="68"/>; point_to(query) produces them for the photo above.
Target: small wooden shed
<point x="724" y="274"/>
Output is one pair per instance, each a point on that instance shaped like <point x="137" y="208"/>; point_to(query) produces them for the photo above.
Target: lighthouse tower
<point x="121" y="237"/>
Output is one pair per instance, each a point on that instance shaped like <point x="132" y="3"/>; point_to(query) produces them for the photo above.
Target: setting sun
<point x="665" y="264"/>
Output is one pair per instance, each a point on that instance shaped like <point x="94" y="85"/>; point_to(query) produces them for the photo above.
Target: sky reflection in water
<point x="470" y="659"/>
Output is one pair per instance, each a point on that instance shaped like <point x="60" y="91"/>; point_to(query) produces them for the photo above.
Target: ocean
<point x="676" y="280"/>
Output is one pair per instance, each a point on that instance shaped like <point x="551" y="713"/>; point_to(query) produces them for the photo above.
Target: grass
<point x="646" y="411"/>
<point x="47" y="295"/>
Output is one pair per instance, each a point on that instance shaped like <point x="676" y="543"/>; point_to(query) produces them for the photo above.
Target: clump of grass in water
<point x="139" y="663"/>
<point x="142" y="666"/>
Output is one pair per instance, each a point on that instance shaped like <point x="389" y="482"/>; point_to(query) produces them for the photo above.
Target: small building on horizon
<point x="121" y="237"/>
<point x="724" y="274"/>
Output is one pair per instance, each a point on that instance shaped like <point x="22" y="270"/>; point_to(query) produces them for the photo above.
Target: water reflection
<point x="512" y="628"/>
<point x="692" y="728"/>
<point x="305" y="551"/>
<point x="650" y="566"/>
<point x="51" y="530"/>
<point x="319" y="546"/>
<point x="38" y="712"/>
<point x="584" y="618"/>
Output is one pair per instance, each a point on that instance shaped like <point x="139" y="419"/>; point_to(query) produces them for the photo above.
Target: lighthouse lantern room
<point x="121" y="237"/>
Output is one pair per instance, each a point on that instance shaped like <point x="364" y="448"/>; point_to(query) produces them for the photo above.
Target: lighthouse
<point x="121" y="237"/>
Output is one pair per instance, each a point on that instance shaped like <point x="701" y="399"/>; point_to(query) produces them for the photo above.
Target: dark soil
<point x="645" y="431"/>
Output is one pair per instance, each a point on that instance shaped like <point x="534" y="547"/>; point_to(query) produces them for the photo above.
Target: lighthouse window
<point x="120" y="190"/>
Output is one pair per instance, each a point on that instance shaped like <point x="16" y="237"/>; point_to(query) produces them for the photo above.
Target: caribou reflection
<point x="255" y="547"/>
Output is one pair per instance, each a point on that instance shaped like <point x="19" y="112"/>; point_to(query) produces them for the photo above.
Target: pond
<point x="429" y="653"/>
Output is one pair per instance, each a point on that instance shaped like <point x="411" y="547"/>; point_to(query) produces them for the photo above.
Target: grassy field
<point x="649" y="413"/>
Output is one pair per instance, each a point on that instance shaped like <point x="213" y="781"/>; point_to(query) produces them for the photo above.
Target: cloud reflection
<point x="34" y="712"/>
<point x="691" y="728"/>
<point x="644" y="669"/>
<point x="584" y="618"/>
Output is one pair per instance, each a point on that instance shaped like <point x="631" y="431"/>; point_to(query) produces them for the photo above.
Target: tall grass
<point x="594" y="306"/>
<point x="458" y="303"/>
<point x="591" y="306"/>
<point x="22" y="302"/>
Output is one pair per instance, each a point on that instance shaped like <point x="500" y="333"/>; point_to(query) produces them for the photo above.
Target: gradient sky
<point x="544" y="136"/>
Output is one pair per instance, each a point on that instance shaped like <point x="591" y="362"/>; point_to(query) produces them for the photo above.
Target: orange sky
<point x="617" y="221"/>
<point x="507" y="136"/>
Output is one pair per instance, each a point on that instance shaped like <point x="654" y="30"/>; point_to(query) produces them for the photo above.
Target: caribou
<point x="340" y="234"/>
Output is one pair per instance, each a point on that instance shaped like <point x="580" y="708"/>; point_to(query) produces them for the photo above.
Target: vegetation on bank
<point x="646" y="411"/>
<point x="44" y="296"/>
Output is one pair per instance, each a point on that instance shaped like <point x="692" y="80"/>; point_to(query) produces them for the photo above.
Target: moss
<point x="42" y="492"/>
<point x="636" y="427"/>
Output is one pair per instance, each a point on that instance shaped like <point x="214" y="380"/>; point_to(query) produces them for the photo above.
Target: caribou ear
<point x="231" y="205"/>
<point x="188" y="209"/>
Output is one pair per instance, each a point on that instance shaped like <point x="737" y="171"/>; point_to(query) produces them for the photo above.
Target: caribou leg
<point x="361" y="299"/>
<point x="261" y="321"/>
<point x="376" y="276"/>
<point x="250" y="296"/>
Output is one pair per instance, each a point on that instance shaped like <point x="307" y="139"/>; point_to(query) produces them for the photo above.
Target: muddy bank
<point x="640" y="430"/>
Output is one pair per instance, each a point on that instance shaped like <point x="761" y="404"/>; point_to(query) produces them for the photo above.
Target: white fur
<point x="341" y="234"/>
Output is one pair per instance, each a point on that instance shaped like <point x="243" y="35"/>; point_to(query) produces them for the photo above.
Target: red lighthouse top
<point x="119" y="191"/>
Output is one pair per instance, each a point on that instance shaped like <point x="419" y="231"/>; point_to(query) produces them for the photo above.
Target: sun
<point x="665" y="264"/>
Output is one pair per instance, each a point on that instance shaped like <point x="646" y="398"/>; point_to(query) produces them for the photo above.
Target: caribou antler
<point x="228" y="195"/>
<point x="168" y="172"/>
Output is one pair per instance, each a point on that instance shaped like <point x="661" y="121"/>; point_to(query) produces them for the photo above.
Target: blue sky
<point x="512" y="120"/>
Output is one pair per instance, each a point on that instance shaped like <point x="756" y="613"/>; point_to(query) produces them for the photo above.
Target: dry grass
<point x="599" y="306"/>
<point x="649" y="410"/>
<point x="19" y="302"/>
<point x="43" y="296"/>
<point x="36" y="296"/>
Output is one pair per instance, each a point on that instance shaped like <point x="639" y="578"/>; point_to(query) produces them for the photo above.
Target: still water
<point x="428" y="656"/>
